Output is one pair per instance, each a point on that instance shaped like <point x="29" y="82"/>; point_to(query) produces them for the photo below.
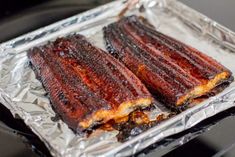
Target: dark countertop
<point x="221" y="11"/>
<point x="28" y="15"/>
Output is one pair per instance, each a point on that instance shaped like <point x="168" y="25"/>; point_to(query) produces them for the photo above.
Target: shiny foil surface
<point x="25" y="97"/>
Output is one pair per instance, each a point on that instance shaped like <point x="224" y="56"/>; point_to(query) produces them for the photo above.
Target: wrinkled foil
<point x="24" y="96"/>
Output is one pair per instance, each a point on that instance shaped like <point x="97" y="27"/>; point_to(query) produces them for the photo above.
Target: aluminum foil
<point x="24" y="96"/>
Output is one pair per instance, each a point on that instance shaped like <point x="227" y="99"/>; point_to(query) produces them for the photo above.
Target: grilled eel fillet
<point x="175" y="72"/>
<point x="85" y="84"/>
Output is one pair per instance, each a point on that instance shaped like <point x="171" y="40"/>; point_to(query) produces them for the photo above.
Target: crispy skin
<point x="85" y="84"/>
<point x="175" y="72"/>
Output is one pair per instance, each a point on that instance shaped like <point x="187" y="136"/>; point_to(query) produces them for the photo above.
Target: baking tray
<point x="24" y="96"/>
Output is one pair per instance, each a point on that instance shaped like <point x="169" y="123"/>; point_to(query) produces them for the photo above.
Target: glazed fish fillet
<point x="176" y="73"/>
<point x="86" y="85"/>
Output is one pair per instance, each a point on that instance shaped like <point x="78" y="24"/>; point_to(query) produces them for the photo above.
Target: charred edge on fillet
<point x="86" y="85"/>
<point x="175" y="72"/>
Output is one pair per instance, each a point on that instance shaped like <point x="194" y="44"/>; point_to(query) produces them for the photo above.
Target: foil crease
<point x="24" y="96"/>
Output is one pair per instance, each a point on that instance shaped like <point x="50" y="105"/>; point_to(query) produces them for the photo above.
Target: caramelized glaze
<point x="86" y="85"/>
<point x="176" y="73"/>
